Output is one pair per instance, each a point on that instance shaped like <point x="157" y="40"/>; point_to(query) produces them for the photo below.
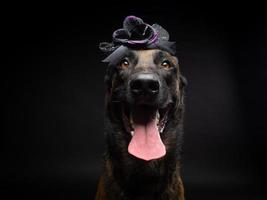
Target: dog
<point x="144" y="108"/>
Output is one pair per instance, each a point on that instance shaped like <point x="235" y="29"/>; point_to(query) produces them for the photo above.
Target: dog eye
<point x="124" y="63"/>
<point x="166" y="64"/>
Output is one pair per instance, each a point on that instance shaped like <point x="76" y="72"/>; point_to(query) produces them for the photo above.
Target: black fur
<point x="127" y="177"/>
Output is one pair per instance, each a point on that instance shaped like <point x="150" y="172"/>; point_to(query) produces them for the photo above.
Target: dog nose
<point x="144" y="84"/>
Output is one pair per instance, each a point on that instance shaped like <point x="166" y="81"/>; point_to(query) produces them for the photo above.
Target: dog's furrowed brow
<point x="159" y="56"/>
<point x="131" y="55"/>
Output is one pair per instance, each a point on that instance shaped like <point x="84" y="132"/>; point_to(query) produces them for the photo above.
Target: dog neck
<point x="140" y="180"/>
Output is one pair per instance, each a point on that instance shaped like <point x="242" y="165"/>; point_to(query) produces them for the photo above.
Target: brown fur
<point x="120" y="168"/>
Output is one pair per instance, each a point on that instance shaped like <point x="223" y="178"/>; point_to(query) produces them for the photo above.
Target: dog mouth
<point x="145" y="124"/>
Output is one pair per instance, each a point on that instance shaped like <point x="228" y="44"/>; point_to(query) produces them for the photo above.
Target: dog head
<point x="144" y="99"/>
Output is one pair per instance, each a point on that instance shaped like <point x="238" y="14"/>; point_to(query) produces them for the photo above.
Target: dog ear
<point x="182" y="84"/>
<point x="107" y="80"/>
<point x="108" y="77"/>
<point x="183" y="81"/>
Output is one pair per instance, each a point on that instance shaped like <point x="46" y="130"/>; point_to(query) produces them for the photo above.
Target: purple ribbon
<point x="136" y="34"/>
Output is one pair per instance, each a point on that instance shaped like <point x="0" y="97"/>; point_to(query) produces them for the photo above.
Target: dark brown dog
<point x="143" y="125"/>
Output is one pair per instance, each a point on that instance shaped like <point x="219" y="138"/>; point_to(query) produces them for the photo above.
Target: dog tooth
<point x="132" y="133"/>
<point x="157" y="114"/>
<point x="157" y="117"/>
<point x="162" y="129"/>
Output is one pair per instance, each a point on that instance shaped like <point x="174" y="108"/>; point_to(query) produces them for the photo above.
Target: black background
<point x="54" y="97"/>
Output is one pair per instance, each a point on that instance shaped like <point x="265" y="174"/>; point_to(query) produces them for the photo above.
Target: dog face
<point x="145" y="100"/>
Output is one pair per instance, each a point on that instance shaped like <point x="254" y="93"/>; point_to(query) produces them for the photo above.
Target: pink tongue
<point x="146" y="143"/>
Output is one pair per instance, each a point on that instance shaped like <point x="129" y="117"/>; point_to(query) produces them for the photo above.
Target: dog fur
<point x="125" y="176"/>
